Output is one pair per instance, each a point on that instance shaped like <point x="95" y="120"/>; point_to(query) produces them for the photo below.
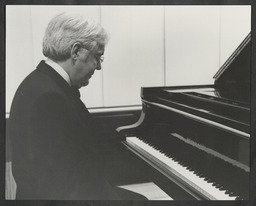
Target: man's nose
<point x="98" y="67"/>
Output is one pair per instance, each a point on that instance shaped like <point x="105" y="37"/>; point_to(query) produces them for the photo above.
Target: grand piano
<point x="195" y="140"/>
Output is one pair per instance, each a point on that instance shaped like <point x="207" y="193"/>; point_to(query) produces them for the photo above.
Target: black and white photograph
<point x="128" y="102"/>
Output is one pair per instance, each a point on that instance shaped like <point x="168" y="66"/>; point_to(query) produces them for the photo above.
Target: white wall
<point x="135" y="55"/>
<point x="235" y="25"/>
<point x="149" y="46"/>
<point x="19" y="47"/>
<point x="192" y="44"/>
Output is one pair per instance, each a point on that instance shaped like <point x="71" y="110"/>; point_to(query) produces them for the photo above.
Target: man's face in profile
<point x="85" y="65"/>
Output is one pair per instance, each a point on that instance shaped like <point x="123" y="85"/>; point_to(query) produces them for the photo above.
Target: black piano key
<point x="227" y="192"/>
<point x="221" y="188"/>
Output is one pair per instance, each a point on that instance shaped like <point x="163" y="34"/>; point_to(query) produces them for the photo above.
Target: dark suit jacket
<point x="56" y="153"/>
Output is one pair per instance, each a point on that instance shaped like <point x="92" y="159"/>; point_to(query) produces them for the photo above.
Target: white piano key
<point x="182" y="172"/>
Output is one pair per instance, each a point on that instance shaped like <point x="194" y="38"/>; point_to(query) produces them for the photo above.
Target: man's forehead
<point x="98" y="48"/>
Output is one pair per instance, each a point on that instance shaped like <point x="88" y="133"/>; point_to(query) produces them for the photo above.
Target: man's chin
<point x="85" y="83"/>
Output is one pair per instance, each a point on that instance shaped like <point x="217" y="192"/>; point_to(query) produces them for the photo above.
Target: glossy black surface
<point x="215" y="117"/>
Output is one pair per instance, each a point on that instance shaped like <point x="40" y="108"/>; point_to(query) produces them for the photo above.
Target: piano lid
<point x="236" y="70"/>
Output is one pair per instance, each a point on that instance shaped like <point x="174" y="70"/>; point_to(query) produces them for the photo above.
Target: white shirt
<point x="59" y="70"/>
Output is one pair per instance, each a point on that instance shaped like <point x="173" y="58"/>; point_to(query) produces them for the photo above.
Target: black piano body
<point x="205" y="129"/>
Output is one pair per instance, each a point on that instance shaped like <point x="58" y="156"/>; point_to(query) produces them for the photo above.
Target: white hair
<point x="66" y="29"/>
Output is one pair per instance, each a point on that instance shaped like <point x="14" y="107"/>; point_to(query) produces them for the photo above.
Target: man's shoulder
<point x="39" y="82"/>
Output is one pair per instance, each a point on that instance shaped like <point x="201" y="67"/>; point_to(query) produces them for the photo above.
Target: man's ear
<point x="75" y="50"/>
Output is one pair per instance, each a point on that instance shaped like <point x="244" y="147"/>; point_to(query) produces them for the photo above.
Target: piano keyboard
<point x="180" y="172"/>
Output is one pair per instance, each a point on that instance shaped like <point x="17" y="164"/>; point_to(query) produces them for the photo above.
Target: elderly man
<point x="55" y="146"/>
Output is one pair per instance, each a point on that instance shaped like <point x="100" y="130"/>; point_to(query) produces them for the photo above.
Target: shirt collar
<point x="59" y="70"/>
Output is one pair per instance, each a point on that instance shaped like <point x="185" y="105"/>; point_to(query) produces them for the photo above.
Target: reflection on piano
<point x="197" y="138"/>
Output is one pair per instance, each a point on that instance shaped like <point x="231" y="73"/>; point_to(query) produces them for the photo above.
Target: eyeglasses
<point x="98" y="59"/>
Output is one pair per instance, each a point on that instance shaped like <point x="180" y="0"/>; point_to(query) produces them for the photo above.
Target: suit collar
<point x="49" y="71"/>
<point x="59" y="70"/>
